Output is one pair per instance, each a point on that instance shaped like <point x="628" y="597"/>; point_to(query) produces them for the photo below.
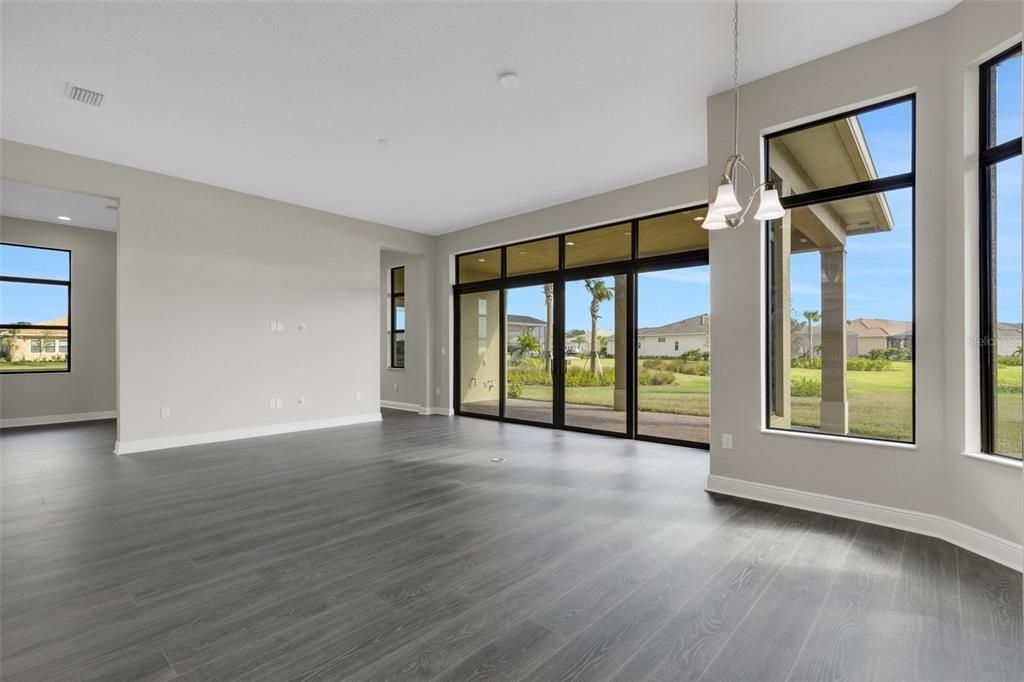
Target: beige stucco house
<point x="21" y="345"/>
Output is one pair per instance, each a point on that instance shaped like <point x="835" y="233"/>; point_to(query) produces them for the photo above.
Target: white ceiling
<point x="288" y="100"/>
<point x="32" y="202"/>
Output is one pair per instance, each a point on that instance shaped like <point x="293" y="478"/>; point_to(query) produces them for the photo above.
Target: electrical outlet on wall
<point x="165" y="412"/>
<point x="396" y="388"/>
<point x="359" y="396"/>
<point x="727" y="441"/>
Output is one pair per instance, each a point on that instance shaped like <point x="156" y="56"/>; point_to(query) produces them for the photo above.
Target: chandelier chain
<point x="736" y="74"/>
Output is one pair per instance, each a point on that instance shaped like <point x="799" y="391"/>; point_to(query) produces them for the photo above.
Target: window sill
<point x="995" y="459"/>
<point x="396" y="369"/>
<point x="849" y="440"/>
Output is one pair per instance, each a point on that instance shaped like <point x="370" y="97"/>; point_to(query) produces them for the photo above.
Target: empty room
<point x="630" y="340"/>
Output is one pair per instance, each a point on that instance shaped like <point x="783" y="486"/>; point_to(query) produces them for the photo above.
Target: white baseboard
<point x="972" y="539"/>
<point x="57" y="419"/>
<point x="412" y="407"/>
<point x="407" y="407"/>
<point x="147" y="444"/>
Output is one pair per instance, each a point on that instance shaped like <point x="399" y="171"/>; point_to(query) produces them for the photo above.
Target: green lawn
<point x="32" y="366"/>
<point x="1009" y="413"/>
<point x="688" y="395"/>
<point x="881" y="403"/>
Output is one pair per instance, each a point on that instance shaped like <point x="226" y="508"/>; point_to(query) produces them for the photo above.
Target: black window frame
<point x="393" y="330"/>
<point x="631" y="267"/>
<point x="877" y="186"/>
<point x="989" y="155"/>
<point x="43" y="281"/>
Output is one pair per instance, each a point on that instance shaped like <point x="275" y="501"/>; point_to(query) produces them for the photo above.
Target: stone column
<point x="622" y="354"/>
<point x="834" y="405"/>
<point x="782" y="304"/>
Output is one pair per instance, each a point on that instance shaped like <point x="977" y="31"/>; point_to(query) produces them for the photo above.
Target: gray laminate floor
<point x="399" y="550"/>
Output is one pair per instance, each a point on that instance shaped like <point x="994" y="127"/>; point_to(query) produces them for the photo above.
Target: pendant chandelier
<point x="726" y="210"/>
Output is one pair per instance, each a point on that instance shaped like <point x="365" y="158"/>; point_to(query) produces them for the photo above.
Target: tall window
<point x="35" y="298"/>
<point x="397" y="318"/>
<point x="841" y="275"/>
<point x="1000" y="253"/>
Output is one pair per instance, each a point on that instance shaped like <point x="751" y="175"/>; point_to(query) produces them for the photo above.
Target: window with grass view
<point x="397" y="323"/>
<point x="841" y="275"/>
<point x="1000" y="254"/>
<point x="35" y="293"/>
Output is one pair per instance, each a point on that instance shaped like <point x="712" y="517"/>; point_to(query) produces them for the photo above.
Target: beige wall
<point x="91" y="385"/>
<point x="937" y="60"/>
<point x="202" y="268"/>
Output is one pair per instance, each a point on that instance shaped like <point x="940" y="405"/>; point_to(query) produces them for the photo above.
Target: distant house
<point x="1009" y="336"/>
<point x="21" y="345"/>
<point x="517" y="324"/>
<point x="675" y="338"/>
<point x="863" y="335"/>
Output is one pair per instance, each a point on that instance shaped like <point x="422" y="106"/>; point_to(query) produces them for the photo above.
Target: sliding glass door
<point x="673" y="382"/>
<point x="604" y="330"/>
<point x="597" y="358"/>
<point x="480" y="352"/>
<point x="529" y="353"/>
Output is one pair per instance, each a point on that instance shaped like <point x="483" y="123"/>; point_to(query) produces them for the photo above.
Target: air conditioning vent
<point x="83" y="95"/>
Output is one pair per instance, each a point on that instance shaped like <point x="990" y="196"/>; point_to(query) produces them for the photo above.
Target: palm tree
<point x="528" y="343"/>
<point x="549" y="331"/>
<point x="599" y="293"/>
<point x="811" y="316"/>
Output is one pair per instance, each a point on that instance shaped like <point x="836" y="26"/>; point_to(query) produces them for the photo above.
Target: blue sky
<point x="30" y="302"/>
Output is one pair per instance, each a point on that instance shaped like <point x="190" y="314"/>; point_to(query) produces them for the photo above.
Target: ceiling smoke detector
<point x="83" y="95"/>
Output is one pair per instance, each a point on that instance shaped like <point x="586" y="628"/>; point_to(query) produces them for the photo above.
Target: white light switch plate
<point x="727" y="441"/>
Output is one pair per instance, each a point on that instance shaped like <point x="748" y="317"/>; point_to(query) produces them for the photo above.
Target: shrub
<point x="805" y="388"/>
<point x="892" y="354"/>
<point x="805" y="363"/>
<point x="657" y="378"/>
<point x="868" y="365"/>
<point x="581" y="376"/>
<point x="529" y="377"/>
<point x="1009" y="360"/>
<point x="514" y="389"/>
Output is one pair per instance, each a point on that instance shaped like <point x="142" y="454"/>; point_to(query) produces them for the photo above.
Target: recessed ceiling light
<point x="522" y="253"/>
<point x="570" y="243"/>
<point x="698" y="219"/>
<point x="509" y="80"/>
<point x="481" y="260"/>
<point x="63" y="217"/>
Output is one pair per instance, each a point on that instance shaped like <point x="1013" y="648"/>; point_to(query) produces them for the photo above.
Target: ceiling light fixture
<point x="63" y="217"/>
<point x="481" y="260"/>
<point x="570" y="243"/>
<point x="509" y="80"/>
<point x="726" y="210"/>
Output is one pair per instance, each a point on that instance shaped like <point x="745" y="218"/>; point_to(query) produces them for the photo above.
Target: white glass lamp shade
<point x="714" y="221"/>
<point x="725" y="200"/>
<point x="770" y="207"/>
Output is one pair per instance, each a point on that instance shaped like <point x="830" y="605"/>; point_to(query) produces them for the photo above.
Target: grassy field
<point x="688" y="395"/>
<point x="30" y="366"/>
<point x="881" y="403"/>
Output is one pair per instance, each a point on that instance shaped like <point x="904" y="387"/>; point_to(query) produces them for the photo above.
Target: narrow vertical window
<point x="1000" y="254"/>
<point x="841" y="275"/>
<point x="397" y="318"/>
<point x="35" y="302"/>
